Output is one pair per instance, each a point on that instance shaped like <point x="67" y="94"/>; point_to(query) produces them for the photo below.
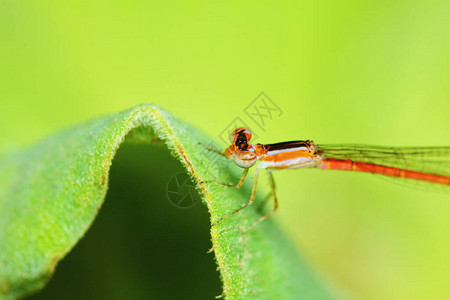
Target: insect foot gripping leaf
<point x="51" y="193"/>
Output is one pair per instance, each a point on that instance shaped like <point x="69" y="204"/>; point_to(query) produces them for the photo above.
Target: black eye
<point x="241" y="141"/>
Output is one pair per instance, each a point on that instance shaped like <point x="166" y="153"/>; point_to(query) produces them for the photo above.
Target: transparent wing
<point x="430" y="160"/>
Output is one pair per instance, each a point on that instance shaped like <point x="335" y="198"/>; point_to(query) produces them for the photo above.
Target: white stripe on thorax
<point x="296" y="162"/>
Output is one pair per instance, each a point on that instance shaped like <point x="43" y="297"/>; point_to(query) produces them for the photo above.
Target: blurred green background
<point x="373" y="72"/>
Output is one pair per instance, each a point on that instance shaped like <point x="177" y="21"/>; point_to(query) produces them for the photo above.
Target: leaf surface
<point x="51" y="193"/>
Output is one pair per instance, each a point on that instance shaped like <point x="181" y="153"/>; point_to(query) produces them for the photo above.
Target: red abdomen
<point x="350" y="165"/>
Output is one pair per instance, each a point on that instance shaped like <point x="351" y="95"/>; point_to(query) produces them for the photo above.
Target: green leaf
<point x="51" y="194"/>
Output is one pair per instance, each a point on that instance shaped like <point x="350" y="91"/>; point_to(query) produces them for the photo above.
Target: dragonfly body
<point x="426" y="164"/>
<point x="306" y="154"/>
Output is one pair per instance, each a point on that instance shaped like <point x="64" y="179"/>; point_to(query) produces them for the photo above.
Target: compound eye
<point x="240" y="132"/>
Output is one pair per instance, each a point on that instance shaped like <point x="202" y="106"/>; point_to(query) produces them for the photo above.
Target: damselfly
<point x="424" y="164"/>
